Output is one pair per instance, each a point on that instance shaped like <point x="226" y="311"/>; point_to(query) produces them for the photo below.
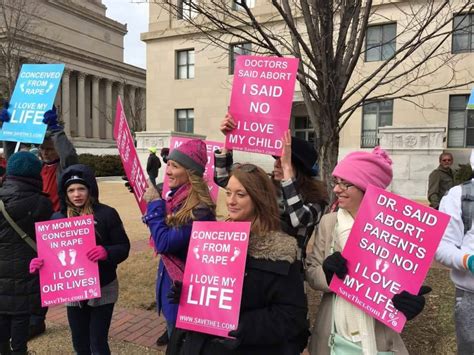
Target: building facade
<point x="79" y="34"/>
<point x="192" y="80"/>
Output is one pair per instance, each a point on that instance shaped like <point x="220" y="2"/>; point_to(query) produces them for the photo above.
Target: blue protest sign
<point x="470" y="103"/>
<point x="34" y="94"/>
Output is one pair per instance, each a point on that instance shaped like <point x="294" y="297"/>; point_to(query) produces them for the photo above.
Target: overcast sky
<point x="135" y="14"/>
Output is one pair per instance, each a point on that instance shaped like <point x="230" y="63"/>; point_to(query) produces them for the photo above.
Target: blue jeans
<point x="90" y="328"/>
<point x="14" y="327"/>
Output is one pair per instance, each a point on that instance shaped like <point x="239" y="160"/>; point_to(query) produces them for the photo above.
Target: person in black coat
<point x="273" y="307"/>
<point x="90" y="320"/>
<point x="24" y="201"/>
<point x="153" y="165"/>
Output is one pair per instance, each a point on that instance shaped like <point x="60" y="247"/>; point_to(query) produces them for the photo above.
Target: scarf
<point x="174" y="265"/>
<point x="351" y="322"/>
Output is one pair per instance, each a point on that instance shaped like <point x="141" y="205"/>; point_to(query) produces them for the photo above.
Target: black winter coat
<point x="109" y="230"/>
<point x="26" y="204"/>
<point x="273" y="308"/>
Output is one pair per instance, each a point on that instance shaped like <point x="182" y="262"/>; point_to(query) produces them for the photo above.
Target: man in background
<point x="153" y="164"/>
<point x="441" y="180"/>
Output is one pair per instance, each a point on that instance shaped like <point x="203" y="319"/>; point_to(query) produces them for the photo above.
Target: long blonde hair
<point x="73" y="211"/>
<point x="199" y="194"/>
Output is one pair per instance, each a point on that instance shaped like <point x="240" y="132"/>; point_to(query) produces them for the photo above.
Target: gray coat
<point x="386" y="338"/>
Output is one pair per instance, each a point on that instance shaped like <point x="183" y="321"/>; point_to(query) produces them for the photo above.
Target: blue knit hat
<point x="24" y="164"/>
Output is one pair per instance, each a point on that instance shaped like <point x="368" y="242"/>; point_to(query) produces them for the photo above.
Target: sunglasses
<point x="248" y="168"/>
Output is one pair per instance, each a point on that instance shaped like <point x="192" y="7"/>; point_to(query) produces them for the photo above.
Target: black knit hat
<point x="75" y="179"/>
<point x="303" y="155"/>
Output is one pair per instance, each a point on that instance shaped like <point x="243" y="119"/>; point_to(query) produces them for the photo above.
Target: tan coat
<point x="386" y="338"/>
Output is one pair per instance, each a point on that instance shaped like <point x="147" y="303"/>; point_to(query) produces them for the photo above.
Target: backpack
<point x="467" y="204"/>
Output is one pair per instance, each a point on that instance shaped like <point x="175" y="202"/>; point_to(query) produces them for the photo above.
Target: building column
<point x="81" y="105"/>
<point x="121" y="93"/>
<point x="109" y="120"/>
<point x="132" y="108"/>
<point x="65" y="110"/>
<point x="95" y="108"/>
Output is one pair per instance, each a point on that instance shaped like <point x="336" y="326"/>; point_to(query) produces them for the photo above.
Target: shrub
<point x="103" y="165"/>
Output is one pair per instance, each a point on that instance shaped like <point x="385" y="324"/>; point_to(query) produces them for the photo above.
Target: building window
<point x="375" y="115"/>
<point x="186" y="9"/>
<point x="185" y="120"/>
<point x="236" y="4"/>
<point x="460" y="123"/>
<point x="463" y="33"/>
<point x="236" y="50"/>
<point x="380" y="42"/>
<point x="185" y="64"/>
<point x="303" y="128"/>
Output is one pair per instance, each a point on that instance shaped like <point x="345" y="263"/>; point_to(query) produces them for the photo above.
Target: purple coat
<point x="170" y="240"/>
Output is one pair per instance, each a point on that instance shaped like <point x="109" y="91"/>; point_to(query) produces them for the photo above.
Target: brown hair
<point x="311" y="190"/>
<point x="262" y="193"/>
<point x="199" y="194"/>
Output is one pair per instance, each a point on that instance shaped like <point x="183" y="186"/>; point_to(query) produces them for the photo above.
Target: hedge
<point x="103" y="165"/>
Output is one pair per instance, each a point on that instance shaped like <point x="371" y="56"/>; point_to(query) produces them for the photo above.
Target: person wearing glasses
<point x="301" y="198"/>
<point x="440" y="180"/>
<point x="351" y="176"/>
<point x="170" y="221"/>
<point x="273" y="308"/>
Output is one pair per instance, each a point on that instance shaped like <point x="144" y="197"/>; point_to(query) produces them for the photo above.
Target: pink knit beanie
<point x="192" y="155"/>
<point x="364" y="168"/>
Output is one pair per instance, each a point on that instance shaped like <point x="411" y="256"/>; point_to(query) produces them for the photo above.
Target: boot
<point x="163" y="339"/>
<point x="5" y="348"/>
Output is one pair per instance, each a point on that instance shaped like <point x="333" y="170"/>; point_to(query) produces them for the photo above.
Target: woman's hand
<point x="285" y="158"/>
<point x="335" y="264"/>
<point x="151" y="193"/>
<point x="411" y="305"/>
<point x="35" y="265"/>
<point x="227" y="124"/>
<point x="97" y="253"/>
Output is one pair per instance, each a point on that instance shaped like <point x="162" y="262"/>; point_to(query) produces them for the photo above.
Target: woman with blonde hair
<point x="273" y="308"/>
<point x="170" y="221"/>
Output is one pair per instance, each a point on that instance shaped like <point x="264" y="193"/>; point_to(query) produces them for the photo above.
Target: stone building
<point x="79" y="34"/>
<point x="190" y="93"/>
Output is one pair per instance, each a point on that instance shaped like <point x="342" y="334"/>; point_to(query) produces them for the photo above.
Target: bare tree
<point x="19" y="39"/>
<point x="329" y="36"/>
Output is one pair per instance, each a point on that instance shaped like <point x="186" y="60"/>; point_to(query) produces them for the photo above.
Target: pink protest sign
<point x="261" y="100"/>
<point x="67" y="274"/>
<point x="129" y="156"/>
<point x="213" y="277"/>
<point x="389" y="250"/>
<point x="208" y="173"/>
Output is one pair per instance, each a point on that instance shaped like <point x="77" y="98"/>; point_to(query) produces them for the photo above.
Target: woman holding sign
<point x="336" y="317"/>
<point x="301" y="198"/>
<point x="170" y="221"/>
<point x="273" y="308"/>
<point x="90" y="320"/>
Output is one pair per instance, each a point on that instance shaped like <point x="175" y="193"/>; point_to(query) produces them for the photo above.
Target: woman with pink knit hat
<point x="351" y="176"/>
<point x="170" y="221"/>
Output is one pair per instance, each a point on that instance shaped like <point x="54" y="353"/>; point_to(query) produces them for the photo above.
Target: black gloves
<point x="230" y="343"/>
<point x="411" y="305"/>
<point x="127" y="184"/>
<point x="50" y="118"/>
<point x="334" y="264"/>
<point x="175" y="292"/>
<point x="4" y="116"/>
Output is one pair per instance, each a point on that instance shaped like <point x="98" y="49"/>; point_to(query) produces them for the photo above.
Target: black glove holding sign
<point x="411" y="305"/>
<point x="335" y="264"/>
